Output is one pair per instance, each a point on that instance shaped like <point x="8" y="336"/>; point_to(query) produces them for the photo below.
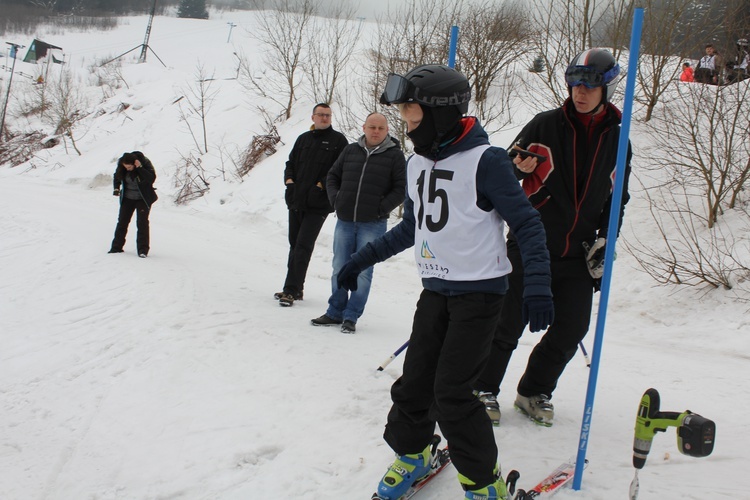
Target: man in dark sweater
<point x="364" y="185"/>
<point x="305" y="175"/>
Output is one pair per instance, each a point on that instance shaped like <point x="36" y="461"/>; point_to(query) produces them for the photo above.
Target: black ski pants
<point x="448" y="348"/>
<point x="142" y="210"/>
<point x="304" y="228"/>
<point x="573" y="291"/>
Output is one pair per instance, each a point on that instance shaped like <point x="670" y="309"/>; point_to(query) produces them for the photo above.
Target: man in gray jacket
<point x="364" y="185"/>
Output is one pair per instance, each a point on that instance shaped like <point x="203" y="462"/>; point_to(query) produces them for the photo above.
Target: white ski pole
<point x="392" y="356"/>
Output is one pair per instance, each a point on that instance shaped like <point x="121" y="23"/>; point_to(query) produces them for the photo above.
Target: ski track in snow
<point x="183" y="362"/>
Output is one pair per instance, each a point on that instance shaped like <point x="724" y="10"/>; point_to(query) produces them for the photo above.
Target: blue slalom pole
<point x="609" y="249"/>
<point x="452" y="48"/>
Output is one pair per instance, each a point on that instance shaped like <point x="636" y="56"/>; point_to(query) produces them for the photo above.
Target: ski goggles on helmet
<point x="397" y="90"/>
<point x="590" y="77"/>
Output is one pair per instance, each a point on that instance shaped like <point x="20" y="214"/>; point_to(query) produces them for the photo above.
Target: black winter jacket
<point x="309" y="162"/>
<point x="572" y="189"/>
<point x="364" y="186"/>
<point x="145" y="176"/>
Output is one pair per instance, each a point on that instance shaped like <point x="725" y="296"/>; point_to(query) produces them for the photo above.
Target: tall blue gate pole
<point x="609" y="249"/>
<point x="452" y="48"/>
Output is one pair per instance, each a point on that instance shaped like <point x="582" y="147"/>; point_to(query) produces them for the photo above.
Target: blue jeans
<point x="348" y="238"/>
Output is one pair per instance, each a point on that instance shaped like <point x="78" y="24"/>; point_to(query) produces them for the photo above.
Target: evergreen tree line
<point x="22" y="16"/>
<point x="84" y="7"/>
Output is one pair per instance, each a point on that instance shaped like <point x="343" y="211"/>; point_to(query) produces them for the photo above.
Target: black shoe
<point x="297" y="296"/>
<point x="115" y="251"/>
<point x="325" y="320"/>
<point x="286" y="300"/>
<point x="348" y="326"/>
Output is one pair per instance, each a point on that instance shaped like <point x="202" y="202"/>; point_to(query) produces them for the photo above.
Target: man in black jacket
<point x="367" y="181"/>
<point x="133" y="182"/>
<point x="571" y="188"/>
<point x="305" y="175"/>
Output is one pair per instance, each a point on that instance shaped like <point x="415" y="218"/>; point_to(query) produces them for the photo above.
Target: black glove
<point x="116" y="192"/>
<point x="538" y="312"/>
<point x="347" y="277"/>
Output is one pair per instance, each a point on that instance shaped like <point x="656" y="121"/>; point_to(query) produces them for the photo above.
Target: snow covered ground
<point x="179" y="376"/>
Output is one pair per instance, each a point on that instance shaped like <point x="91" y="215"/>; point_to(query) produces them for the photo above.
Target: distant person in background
<point x="364" y="185"/>
<point x="305" y="177"/>
<point x="687" y="73"/>
<point x="708" y="67"/>
<point x="738" y="71"/>
<point x="134" y="183"/>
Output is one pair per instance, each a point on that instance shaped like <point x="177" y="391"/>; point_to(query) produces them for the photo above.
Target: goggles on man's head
<point x="397" y="90"/>
<point x="590" y="77"/>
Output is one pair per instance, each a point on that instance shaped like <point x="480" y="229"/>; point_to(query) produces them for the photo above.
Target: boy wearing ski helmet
<point x="460" y="193"/>
<point x="572" y="191"/>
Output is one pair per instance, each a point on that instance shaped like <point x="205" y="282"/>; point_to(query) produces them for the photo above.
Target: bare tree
<point x="199" y="97"/>
<point x="261" y="146"/>
<point x="48" y="5"/>
<point x="491" y="41"/>
<point x="185" y="118"/>
<point x="704" y="133"/>
<point x="331" y="42"/>
<point x="109" y="77"/>
<point x="67" y="106"/>
<point x="416" y="32"/>
<point x="661" y="41"/>
<point x="190" y="179"/>
<point x="702" y="148"/>
<point x="561" y="29"/>
<point x="282" y="31"/>
<point x="685" y="252"/>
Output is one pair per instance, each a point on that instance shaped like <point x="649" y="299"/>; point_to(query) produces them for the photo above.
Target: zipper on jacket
<point x="579" y="203"/>
<point x="368" y="153"/>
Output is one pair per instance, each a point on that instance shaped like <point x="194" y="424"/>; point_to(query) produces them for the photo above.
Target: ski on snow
<point x="551" y="484"/>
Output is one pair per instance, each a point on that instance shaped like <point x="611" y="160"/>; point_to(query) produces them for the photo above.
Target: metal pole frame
<point x="14" y="49"/>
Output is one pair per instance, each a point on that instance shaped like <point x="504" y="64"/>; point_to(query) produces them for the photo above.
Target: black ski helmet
<point x="443" y="94"/>
<point x="594" y="68"/>
<point x="431" y="85"/>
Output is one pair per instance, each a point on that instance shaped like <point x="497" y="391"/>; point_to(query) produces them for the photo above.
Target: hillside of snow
<point x="179" y="376"/>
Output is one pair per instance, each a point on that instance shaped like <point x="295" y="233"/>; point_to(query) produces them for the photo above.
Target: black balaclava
<point x="438" y="125"/>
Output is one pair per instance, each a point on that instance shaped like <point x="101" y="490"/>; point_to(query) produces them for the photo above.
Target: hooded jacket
<point x="572" y="189"/>
<point x="366" y="185"/>
<point x="309" y="161"/>
<point x="496" y="189"/>
<point x="144" y="176"/>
